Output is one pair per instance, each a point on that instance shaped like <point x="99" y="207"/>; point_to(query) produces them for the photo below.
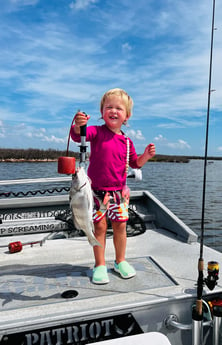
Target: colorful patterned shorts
<point x="113" y="204"/>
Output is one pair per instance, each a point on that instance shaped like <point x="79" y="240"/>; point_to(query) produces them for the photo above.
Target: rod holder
<point x="217" y="325"/>
<point x="197" y="332"/>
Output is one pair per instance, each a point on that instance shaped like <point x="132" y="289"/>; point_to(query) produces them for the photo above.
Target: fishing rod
<point x="210" y="281"/>
<point x="207" y="135"/>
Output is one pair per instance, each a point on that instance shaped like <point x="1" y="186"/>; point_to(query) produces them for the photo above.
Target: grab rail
<point x="36" y="180"/>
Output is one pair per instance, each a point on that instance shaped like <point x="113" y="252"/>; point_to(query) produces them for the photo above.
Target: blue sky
<point x="58" y="56"/>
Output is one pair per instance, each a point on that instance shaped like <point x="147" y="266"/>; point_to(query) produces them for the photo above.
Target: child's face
<point x="114" y="113"/>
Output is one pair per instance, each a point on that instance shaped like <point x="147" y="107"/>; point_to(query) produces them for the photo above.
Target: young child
<point x="111" y="154"/>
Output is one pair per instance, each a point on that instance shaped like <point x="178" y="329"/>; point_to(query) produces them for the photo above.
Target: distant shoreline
<point x="51" y="155"/>
<point x="157" y="158"/>
<point x="21" y="160"/>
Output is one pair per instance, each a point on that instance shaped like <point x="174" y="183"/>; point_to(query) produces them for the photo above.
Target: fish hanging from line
<point x="81" y="204"/>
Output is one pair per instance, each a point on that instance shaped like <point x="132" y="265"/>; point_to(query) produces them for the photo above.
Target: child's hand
<point x="150" y="150"/>
<point x="81" y="119"/>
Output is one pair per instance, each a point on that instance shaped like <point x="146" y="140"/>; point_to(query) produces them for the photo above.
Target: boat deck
<point x="33" y="282"/>
<point x="38" y="275"/>
<point x="29" y="285"/>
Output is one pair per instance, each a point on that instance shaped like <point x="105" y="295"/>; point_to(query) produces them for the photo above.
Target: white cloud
<point x="81" y="4"/>
<point x="179" y="144"/>
<point x="126" y="47"/>
<point x="16" y="5"/>
<point x="41" y="134"/>
<point x="53" y="139"/>
<point x="2" y="129"/>
<point x="23" y="2"/>
<point x="159" y="138"/>
<point x="219" y="149"/>
<point x="22" y="133"/>
<point x="135" y="134"/>
<point x="170" y="125"/>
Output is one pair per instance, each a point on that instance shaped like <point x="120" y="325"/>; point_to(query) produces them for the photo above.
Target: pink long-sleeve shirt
<point x="107" y="162"/>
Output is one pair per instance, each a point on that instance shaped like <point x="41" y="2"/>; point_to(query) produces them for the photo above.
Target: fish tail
<point x="93" y="241"/>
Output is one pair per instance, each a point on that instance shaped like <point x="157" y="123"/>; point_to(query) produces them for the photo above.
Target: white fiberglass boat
<point x="47" y="296"/>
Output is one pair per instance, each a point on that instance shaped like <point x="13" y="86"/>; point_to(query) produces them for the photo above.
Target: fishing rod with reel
<point x="213" y="267"/>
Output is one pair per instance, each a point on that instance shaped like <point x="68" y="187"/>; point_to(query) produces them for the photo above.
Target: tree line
<point x="52" y="155"/>
<point x="33" y="154"/>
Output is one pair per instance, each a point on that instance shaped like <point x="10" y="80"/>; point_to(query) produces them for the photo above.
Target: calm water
<point x="178" y="186"/>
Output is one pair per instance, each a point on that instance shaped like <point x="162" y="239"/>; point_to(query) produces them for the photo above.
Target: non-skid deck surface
<point x="24" y="285"/>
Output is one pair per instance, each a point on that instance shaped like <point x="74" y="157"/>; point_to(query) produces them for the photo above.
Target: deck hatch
<point x="29" y="285"/>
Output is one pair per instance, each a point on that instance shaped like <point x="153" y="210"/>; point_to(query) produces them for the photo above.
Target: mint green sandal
<point x="100" y="275"/>
<point x="124" y="269"/>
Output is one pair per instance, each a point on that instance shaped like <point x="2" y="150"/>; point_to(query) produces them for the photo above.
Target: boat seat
<point x="154" y="338"/>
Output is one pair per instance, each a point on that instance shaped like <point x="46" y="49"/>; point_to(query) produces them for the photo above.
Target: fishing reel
<point x="213" y="274"/>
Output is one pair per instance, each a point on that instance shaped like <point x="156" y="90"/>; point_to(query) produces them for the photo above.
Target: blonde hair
<point x="118" y="92"/>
